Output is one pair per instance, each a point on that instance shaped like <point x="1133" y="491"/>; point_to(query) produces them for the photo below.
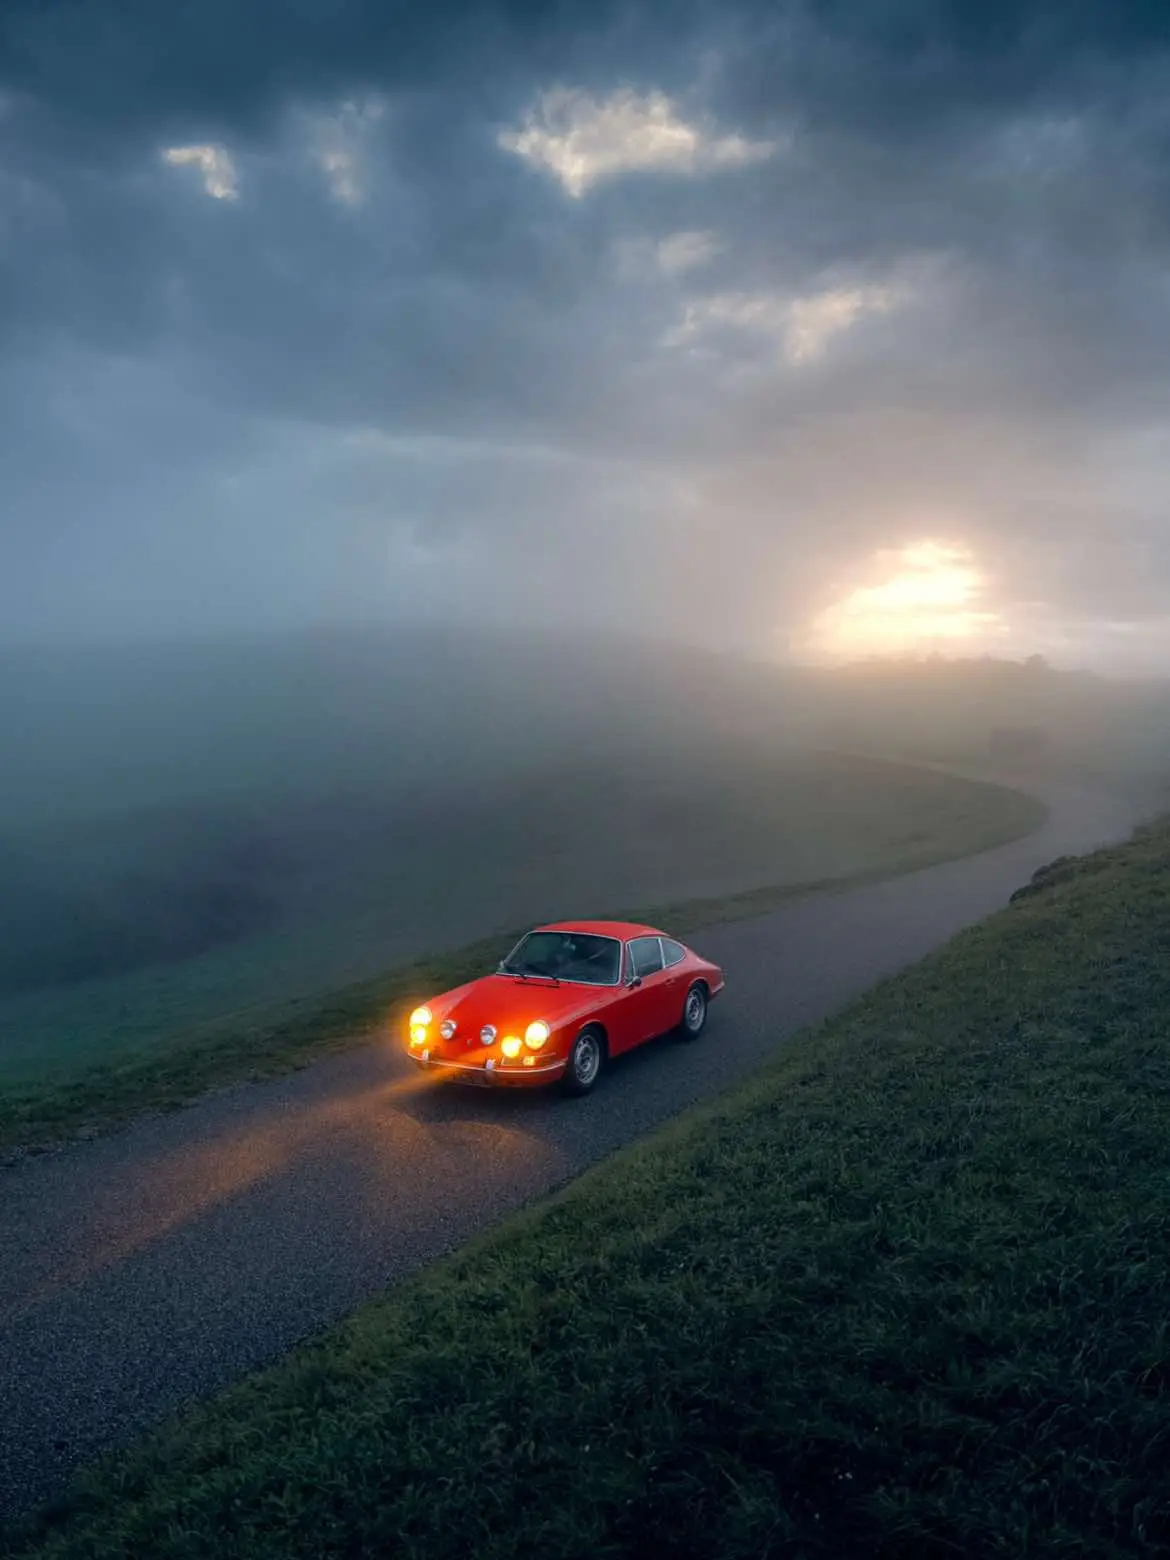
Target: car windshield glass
<point x="575" y="956"/>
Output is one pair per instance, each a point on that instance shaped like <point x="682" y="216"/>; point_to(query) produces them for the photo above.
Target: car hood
<point x="510" y="1005"/>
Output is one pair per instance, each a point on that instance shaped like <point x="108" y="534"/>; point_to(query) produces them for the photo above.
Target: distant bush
<point x="1060" y="870"/>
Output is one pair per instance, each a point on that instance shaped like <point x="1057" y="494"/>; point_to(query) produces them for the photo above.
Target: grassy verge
<point x="903" y="1295"/>
<point x="274" y="1040"/>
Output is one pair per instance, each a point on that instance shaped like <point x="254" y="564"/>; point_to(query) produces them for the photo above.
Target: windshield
<point x="573" y="956"/>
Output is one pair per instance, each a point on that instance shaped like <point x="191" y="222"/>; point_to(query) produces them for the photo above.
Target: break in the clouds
<point x="754" y="325"/>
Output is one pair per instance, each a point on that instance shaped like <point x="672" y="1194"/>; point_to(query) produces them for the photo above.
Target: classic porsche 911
<point x="567" y="998"/>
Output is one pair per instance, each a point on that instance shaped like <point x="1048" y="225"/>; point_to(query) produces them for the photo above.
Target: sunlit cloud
<point x="340" y="147"/>
<point x="801" y="326"/>
<point x="581" y="140"/>
<point x="214" y="164"/>
<point x="931" y="594"/>
<point x="814" y="321"/>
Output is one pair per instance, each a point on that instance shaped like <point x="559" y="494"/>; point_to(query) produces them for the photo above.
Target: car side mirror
<point x="634" y="980"/>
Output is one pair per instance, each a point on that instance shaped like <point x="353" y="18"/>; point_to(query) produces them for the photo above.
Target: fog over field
<point x="218" y="824"/>
<point x="247" y="818"/>
<point x="161" y="805"/>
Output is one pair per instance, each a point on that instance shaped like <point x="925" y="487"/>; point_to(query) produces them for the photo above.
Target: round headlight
<point x="447" y="1028"/>
<point x="421" y="1016"/>
<point x="418" y="1034"/>
<point x="510" y="1046"/>
<point x="536" y="1034"/>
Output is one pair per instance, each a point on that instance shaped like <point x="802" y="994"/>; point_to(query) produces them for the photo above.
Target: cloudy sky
<point x="804" y="328"/>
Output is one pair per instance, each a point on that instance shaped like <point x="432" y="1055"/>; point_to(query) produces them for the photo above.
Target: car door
<point x="646" y="1001"/>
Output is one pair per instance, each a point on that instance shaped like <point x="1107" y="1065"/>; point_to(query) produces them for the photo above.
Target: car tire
<point x="694" y="1013"/>
<point x="586" y="1061"/>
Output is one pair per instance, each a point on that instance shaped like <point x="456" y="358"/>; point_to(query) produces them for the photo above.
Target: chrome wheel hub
<point x="586" y="1059"/>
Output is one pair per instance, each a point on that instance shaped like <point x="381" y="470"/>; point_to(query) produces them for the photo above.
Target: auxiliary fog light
<point x="419" y="1020"/>
<point x="510" y="1046"/>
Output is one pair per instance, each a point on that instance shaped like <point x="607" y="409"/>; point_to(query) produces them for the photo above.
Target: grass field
<point x="711" y="835"/>
<point x="904" y="1295"/>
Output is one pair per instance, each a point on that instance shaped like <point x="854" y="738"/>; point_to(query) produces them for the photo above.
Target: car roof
<point x="623" y="930"/>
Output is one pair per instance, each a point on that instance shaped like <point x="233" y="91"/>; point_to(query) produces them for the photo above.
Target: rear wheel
<point x="694" y="1014"/>
<point x="586" y="1059"/>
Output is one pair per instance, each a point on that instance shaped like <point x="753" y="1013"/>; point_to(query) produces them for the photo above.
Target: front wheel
<point x="694" y="1014"/>
<point x="586" y="1059"/>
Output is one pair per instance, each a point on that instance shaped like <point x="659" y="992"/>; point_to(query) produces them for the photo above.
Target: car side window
<point x="645" y="956"/>
<point x="675" y="952"/>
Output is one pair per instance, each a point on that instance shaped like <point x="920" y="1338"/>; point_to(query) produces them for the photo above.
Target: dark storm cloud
<point x="969" y="203"/>
<point x="121" y="68"/>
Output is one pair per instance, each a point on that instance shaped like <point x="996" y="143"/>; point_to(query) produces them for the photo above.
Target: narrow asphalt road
<point x="147" y="1269"/>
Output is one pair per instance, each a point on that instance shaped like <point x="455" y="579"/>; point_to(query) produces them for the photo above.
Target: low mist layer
<point x="191" y="831"/>
<point x="406" y="790"/>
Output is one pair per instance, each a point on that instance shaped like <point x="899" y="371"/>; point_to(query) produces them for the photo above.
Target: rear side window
<point x="675" y="952"/>
<point x="645" y="956"/>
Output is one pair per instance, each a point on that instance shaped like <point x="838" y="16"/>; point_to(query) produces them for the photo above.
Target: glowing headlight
<point x="420" y="1018"/>
<point x="418" y="1034"/>
<point x="510" y="1046"/>
<point x="536" y="1034"/>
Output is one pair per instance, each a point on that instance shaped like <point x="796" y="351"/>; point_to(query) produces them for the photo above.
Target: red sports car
<point x="566" y="999"/>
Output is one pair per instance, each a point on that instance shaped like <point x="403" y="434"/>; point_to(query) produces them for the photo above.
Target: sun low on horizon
<point x="921" y="596"/>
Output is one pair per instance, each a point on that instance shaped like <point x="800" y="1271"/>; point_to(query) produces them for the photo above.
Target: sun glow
<point x="933" y="594"/>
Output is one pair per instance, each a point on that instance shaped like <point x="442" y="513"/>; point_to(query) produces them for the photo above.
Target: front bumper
<point x="490" y="1074"/>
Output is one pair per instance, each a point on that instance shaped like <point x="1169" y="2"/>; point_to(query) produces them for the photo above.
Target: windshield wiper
<point x="525" y="974"/>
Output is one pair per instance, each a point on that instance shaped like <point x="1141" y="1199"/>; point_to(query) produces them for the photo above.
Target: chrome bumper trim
<point x="491" y="1073"/>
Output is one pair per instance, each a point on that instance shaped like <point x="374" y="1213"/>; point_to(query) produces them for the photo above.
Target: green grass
<point x="71" y="1095"/>
<point x="903" y="1295"/>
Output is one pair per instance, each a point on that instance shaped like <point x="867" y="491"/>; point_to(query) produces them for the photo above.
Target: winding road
<point x="147" y="1269"/>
